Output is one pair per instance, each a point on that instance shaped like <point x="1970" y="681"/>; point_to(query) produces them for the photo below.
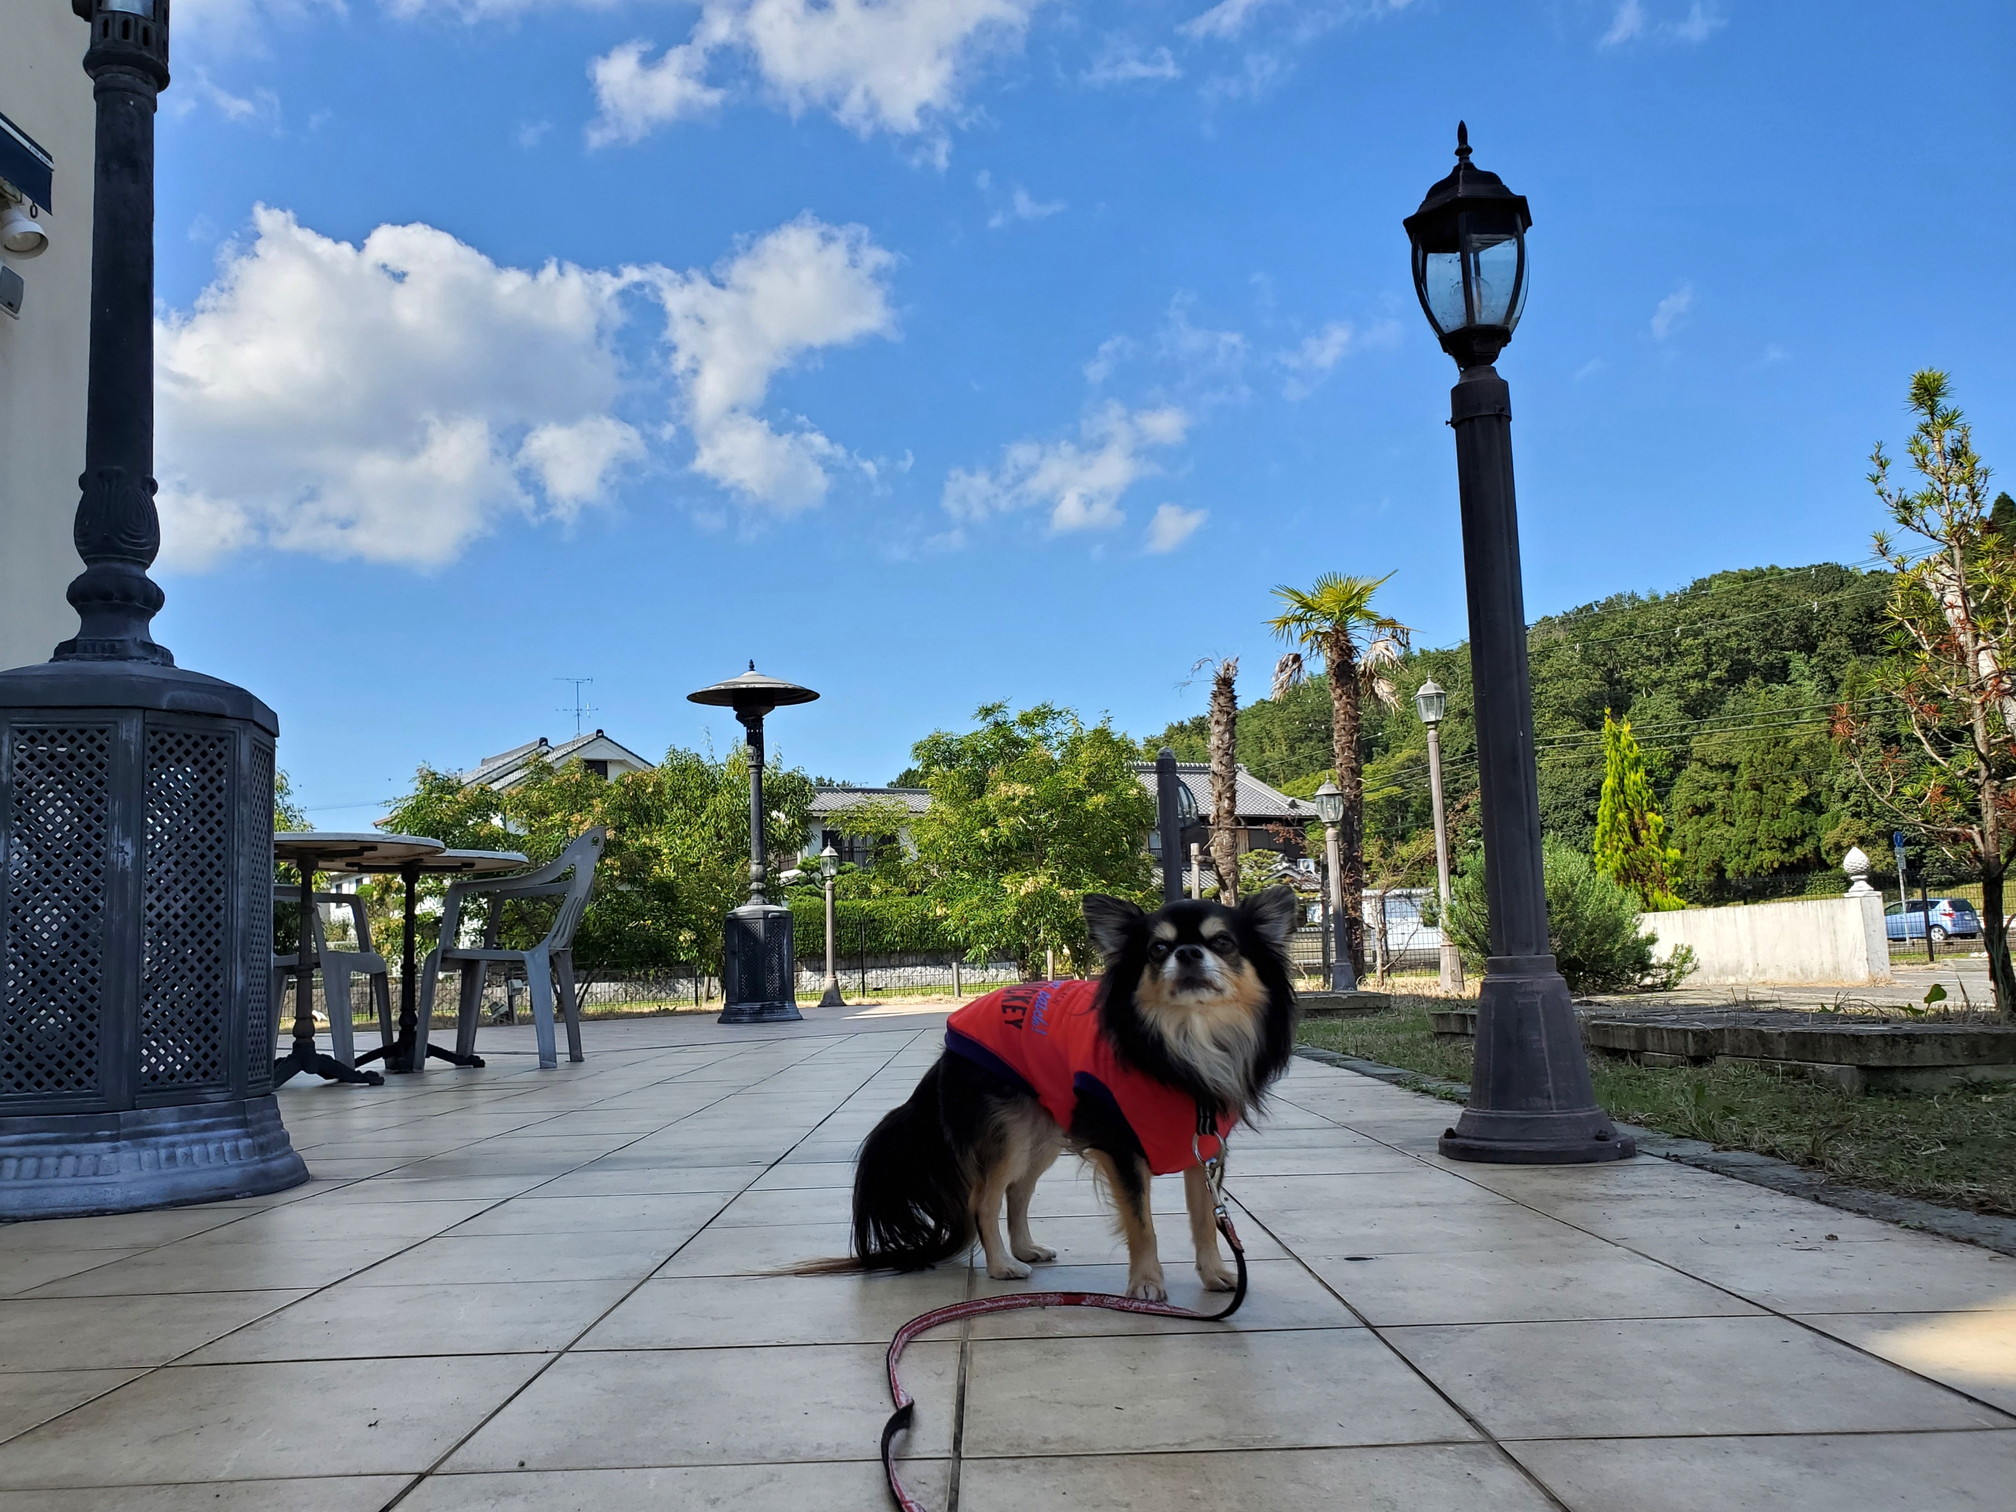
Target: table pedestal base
<point x="307" y="1059"/>
<point x="398" y="1058"/>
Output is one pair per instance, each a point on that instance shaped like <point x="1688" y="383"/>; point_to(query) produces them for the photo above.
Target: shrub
<point x="1592" y="926"/>
<point x="893" y="926"/>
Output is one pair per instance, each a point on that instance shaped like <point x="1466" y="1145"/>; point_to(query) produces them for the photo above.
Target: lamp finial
<point x="1462" y="142"/>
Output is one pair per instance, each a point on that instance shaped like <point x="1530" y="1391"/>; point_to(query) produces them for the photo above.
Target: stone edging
<point x="1745" y="1165"/>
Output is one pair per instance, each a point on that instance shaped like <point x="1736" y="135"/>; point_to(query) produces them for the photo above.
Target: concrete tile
<point x="1904" y="1273"/>
<point x="632" y="1181"/>
<point x="205" y="1265"/>
<point x="705" y="1406"/>
<point x="353" y="1322"/>
<point x="127" y="1231"/>
<point x="262" y="1422"/>
<point x="692" y="1311"/>
<point x="574" y="1215"/>
<point x="93" y="1333"/>
<point x="313" y="1222"/>
<point x="347" y="1493"/>
<point x="1952" y="1472"/>
<point x="805" y="1205"/>
<point x="1280" y="1294"/>
<point x="851" y="1487"/>
<point x="1413" y="1477"/>
<point x="1315" y="1233"/>
<point x="1974" y="1352"/>
<point x="1667" y="1376"/>
<point x="1093" y="1240"/>
<point x="833" y="1173"/>
<point x="31" y="1397"/>
<point x="757" y="1250"/>
<point x="33" y="1269"/>
<point x="1574" y="1277"/>
<point x="592" y="1256"/>
<point x="1196" y="1391"/>
<point x="1415" y="1186"/>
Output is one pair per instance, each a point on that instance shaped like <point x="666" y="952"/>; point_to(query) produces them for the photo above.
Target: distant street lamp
<point x="1330" y="809"/>
<point x="1431" y="703"/>
<point x="1531" y="1100"/>
<point x="829" y="868"/>
<point x="1175" y="811"/>
<point x="758" y="966"/>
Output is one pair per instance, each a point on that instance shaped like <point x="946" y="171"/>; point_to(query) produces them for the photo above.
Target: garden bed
<point x="1956" y="1146"/>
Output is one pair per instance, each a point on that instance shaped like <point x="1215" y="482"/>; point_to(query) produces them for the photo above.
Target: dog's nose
<point x="1189" y="955"/>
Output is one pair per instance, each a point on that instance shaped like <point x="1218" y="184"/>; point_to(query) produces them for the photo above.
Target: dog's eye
<point x="1225" y="945"/>
<point x="1159" y="949"/>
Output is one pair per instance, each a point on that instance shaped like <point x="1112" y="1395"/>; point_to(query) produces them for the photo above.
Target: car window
<point x="1894" y="908"/>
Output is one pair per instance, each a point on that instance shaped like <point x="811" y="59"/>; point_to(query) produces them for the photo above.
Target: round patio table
<point x="313" y="851"/>
<point x="398" y="1056"/>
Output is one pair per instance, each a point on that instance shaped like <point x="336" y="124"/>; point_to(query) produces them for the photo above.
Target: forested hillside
<point x="1729" y="683"/>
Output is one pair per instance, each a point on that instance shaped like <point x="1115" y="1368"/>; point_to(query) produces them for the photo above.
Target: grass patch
<point x="1956" y="1147"/>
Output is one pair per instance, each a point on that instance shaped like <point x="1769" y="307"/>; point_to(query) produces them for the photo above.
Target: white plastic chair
<point x="551" y="957"/>
<point x="337" y="967"/>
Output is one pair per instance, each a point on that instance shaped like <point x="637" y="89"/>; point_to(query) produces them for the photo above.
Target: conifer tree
<point x="1631" y="844"/>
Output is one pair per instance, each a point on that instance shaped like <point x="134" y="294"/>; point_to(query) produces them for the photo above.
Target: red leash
<point x="906" y="1407"/>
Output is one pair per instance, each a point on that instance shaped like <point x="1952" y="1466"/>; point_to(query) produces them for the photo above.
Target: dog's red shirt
<point x="1046" y="1035"/>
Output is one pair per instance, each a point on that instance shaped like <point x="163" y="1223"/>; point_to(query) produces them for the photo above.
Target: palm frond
<point x="1289" y="674"/>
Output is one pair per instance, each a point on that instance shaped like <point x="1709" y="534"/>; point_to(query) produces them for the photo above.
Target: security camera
<point x="21" y="233"/>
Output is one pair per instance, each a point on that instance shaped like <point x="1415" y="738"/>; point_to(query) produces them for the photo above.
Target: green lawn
<point x="1955" y="1147"/>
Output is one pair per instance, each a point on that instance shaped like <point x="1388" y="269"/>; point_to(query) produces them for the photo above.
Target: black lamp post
<point x="829" y="868"/>
<point x="759" y="968"/>
<point x="136" y="798"/>
<point x="1329" y="804"/>
<point x="1531" y="1101"/>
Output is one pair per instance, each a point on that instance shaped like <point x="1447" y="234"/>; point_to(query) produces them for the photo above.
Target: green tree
<point x="1938" y="759"/>
<point x="1631" y="848"/>
<point x="1335" y="619"/>
<point x="676" y="861"/>
<point x="1753" y="806"/>
<point x="1224" y="726"/>
<point x="1029" y="812"/>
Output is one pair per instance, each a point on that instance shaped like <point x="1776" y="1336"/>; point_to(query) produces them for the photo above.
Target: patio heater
<point x="1175" y="811"/>
<point x="758" y="965"/>
<point x="1531" y="1100"/>
<point x="136" y="797"/>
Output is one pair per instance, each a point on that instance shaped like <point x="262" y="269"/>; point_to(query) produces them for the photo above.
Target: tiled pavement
<point x="542" y="1292"/>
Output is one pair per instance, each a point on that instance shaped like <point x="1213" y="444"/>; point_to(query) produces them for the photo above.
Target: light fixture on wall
<point x="20" y="232"/>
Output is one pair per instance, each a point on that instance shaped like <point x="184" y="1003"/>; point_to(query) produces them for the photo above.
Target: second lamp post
<point x="1431" y="703"/>
<point x="829" y="868"/>
<point x="1330" y="809"/>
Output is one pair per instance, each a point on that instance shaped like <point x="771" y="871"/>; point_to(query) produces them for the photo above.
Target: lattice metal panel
<point x="186" y="890"/>
<point x="55" y="875"/>
<point x="255" y="845"/>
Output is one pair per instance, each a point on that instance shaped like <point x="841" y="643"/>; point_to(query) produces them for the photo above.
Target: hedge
<point x="893" y="926"/>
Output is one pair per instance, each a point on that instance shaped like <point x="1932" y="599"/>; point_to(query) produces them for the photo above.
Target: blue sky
<point x="933" y="352"/>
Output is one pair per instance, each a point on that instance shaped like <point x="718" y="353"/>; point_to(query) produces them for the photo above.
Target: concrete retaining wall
<point x="1810" y="940"/>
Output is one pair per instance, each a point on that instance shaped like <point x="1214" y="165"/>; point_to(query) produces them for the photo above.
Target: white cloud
<point x="1671" y="311"/>
<point x="1079" y="482"/>
<point x="1123" y="62"/>
<point x="1632" y="22"/>
<point x="897" y="66"/>
<point x="1023" y="206"/>
<point x="635" y="96"/>
<point x="804" y="286"/>
<point x="1172" y="526"/>
<point x="395" y="400"/>
<point x="1228" y="18"/>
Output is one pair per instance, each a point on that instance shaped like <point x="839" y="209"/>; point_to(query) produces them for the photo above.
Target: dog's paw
<point x="1148" y="1289"/>
<point x="1217" y="1276"/>
<point x="1036" y="1254"/>
<point x="1008" y="1270"/>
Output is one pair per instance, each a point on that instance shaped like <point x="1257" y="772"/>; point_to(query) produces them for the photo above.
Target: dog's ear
<point x="1271" y="915"/>
<point x="1111" y="921"/>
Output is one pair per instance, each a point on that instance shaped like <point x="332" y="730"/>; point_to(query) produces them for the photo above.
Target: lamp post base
<point x="1452" y="967"/>
<point x="1531" y="1102"/>
<point x="69" y="1165"/>
<point x="832" y="998"/>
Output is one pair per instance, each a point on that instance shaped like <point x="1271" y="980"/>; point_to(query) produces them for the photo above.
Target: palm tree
<point x="1335" y="620"/>
<point x="1225" y="776"/>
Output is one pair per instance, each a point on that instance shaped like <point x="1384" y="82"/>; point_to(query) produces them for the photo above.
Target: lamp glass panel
<point x="1430" y="705"/>
<point x="1329" y="807"/>
<point x="132" y="7"/>
<point x="1494" y="278"/>
<point x="1441" y="281"/>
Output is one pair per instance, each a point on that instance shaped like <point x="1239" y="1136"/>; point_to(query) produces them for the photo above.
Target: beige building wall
<point x="44" y="354"/>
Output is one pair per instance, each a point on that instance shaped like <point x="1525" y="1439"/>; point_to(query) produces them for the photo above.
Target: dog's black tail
<point x="910" y="1197"/>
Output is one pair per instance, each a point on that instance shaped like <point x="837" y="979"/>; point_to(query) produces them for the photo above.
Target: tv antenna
<point x="579" y="708"/>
